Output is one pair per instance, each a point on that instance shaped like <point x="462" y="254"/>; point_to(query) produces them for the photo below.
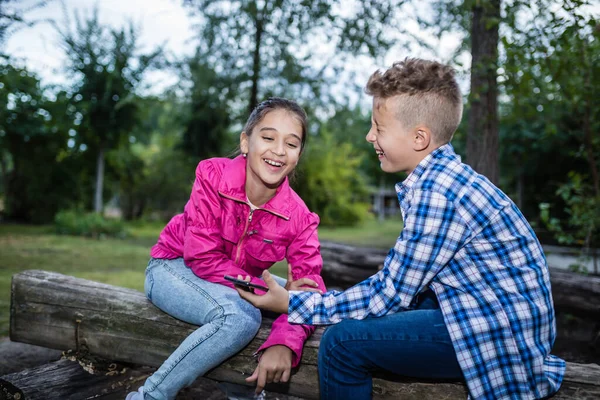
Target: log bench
<point x="63" y="312"/>
<point x="346" y="265"/>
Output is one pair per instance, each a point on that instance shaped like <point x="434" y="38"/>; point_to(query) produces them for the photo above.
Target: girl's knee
<point x="245" y="320"/>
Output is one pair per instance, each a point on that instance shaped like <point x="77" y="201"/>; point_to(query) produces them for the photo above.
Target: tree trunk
<point x="64" y="312"/>
<point x="256" y="65"/>
<point x="482" y="138"/>
<point x="98" y="204"/>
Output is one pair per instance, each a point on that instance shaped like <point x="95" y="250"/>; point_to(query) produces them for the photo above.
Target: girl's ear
<point x="244" y="142"/>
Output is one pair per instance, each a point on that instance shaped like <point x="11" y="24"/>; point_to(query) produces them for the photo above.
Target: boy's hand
<point x="276" y="299"/>
<point x="275" y="365"/>
<point x="301" y="283"/>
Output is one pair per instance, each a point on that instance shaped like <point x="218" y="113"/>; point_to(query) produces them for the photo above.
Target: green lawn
<point x="122" y="262"/>
<point x="372" y="233"/>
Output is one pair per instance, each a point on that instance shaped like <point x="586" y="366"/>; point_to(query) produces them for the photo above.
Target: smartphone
<point x="245" y="285"/>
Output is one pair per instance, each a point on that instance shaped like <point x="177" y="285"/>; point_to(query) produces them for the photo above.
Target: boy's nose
<point x="370" y="136"/>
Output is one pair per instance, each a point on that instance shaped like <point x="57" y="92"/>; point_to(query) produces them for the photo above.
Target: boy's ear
<point x="422" y="138"/>
<point x="244" y="142"/>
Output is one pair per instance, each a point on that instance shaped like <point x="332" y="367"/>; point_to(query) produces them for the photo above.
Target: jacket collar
<point x="233" y="182"/>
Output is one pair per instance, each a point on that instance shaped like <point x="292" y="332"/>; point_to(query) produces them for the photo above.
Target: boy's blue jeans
<point x="411" y="343"/>
<point x="228" y="324"/>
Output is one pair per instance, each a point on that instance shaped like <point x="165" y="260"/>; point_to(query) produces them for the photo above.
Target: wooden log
<point x="66" y="379"/>
<point x="57" y="311"/>
<point x="346" y="265"/>
<point x="80" y="380"/>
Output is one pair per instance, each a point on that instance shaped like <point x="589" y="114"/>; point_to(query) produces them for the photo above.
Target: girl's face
<point x="273" y="148"/>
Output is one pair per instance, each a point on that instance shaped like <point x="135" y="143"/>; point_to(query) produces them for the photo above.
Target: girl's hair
<point x="277" y="103"/>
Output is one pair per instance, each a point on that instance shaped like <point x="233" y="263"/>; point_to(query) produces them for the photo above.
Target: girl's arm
<point x="305" y="257"/>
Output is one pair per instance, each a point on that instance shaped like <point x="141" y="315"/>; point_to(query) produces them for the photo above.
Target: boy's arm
<point x="304" y="256"/>
<point x="433" y="233"/>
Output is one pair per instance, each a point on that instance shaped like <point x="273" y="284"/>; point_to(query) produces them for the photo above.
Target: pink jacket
<point x="217" y="235"/>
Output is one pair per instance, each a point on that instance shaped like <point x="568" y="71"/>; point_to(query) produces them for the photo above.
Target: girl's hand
<point x="301" y="283"/>
<point x="275" y="365"/>
<point x="276" y="299"/>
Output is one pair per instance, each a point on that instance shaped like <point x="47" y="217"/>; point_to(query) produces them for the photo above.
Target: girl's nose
<point x="279" y="149"/>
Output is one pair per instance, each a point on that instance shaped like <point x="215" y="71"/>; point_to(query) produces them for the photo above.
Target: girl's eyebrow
<point x="296" y="136"/>
<point x="268" y="128"/>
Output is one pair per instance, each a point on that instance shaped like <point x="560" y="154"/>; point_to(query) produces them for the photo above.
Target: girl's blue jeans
<point x="228" y="324"/>
<point x="411" y="343"/>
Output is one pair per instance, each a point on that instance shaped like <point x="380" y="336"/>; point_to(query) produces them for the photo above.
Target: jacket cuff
<point x="296" y="352"/>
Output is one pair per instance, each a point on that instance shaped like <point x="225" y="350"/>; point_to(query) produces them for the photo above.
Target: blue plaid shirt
<point x="469" y="243"/>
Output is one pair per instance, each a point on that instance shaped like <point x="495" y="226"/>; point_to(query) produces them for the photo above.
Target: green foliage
<point x="583" y="209"/>
<point x="549" y="76"/>
<point x="581" y="227"/>
<point x="330" y="183"/>
<point x="78" y="223"/>
<point x="38" y="174"/>
<point x="153" y="176"/>
<point x="352" y="125"/>
<point x="206" y="117"/>
<point x="262" y="45"/>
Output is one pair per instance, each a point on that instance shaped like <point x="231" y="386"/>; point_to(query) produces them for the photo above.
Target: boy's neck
<point x="422" y="154"/>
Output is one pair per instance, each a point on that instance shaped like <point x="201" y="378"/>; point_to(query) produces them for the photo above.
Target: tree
<point x="206" y="117"/>
<point x="106" y="72"/>
<point x="38" y="171"/>
<point x="269" y="47"/>
<point x="12" y="17"/>
<point x="482" y="136"/>
<point x="552" y="77"/>
<point x="479" y="22"/>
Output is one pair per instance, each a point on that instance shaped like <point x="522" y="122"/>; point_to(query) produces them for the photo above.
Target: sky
<point x="160" y="22"/>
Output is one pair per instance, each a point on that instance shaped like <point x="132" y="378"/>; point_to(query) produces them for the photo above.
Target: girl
<point x="241" y="218"/>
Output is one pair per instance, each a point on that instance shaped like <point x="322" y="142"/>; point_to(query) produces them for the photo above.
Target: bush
<point x="330" y="183"/>
<point x="78" y="223"/>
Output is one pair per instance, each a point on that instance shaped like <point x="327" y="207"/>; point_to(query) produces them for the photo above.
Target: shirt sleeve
<point x="433" y="233"/>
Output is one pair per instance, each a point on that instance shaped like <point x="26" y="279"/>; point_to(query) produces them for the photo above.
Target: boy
<point x="464" y="293"/>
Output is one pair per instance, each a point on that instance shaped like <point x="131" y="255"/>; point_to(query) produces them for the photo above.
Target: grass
<point x="372" y="233"/>
<point x="122" y="262"/>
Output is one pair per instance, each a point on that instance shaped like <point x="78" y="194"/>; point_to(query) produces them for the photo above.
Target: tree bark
<point x="98" y="203"/>
<point x="482" y="138"/>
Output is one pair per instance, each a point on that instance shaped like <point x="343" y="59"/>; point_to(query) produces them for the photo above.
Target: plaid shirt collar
<point x="402" y="188"/>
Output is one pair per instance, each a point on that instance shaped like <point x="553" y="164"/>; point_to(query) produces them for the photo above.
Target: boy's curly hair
<point x="429" y="94"/>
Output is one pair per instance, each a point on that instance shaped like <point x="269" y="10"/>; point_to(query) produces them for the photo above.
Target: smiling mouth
<point x="380" y="153"/>
<point x="273" y="163"/>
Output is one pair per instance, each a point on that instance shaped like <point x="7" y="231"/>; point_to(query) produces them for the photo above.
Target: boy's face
<point x="394" y="144"/>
